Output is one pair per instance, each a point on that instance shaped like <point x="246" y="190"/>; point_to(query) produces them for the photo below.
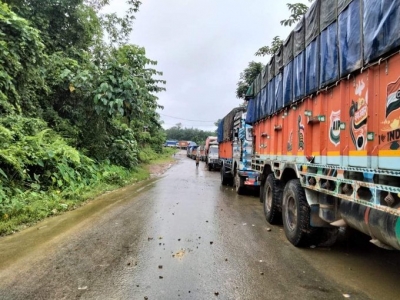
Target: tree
<point x="270" y="50"/>
<point x="297" y="10"/>
<point x="21" y="56"/>
<point x="247" y="77"/>
<point x="127" y="85"/>
<point x="91" y="90"/>
<point x="188" y="134"/>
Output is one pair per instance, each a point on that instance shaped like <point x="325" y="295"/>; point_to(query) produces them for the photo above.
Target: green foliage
<point x="297" y="10"/>
<point x="33" y="156"/>
<point x="63" y="23"/>
<point x="188" y="134"/>
<point x="270" y="50"/>
<point x="21" y="54"/>
<point x="123" y="149"/>
<point x="126" y="86"/>
<point x="247" y="77"/>
<point x="76" y="111"/>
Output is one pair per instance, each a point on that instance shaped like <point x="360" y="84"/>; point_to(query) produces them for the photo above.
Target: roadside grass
<point x="32" y="206"/>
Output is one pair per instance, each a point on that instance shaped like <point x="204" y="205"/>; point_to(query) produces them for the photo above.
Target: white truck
<point x="211" y="153"/>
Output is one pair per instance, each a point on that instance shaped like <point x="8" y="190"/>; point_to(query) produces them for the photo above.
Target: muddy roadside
<point x="52" y="229"/>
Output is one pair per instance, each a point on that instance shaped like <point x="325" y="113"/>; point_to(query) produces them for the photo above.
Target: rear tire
<point x="272" y="195"/>
<point x="224" y="178"/>
<point x="296" y="214"/>
<point x="239" y="184"/>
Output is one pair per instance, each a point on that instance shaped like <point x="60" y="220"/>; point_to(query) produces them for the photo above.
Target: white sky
<point x="202" y="46"/>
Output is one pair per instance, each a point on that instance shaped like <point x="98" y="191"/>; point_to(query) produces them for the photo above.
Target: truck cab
<point x="242" y="144"/>
<point x="212" y="158"/>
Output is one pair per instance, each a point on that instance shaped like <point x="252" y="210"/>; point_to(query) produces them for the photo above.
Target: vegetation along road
<point x="184" y="236"/>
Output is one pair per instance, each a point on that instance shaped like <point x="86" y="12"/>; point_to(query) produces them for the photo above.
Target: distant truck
<point x="171" y="143"/>
<point x="182" y="144"/>
<point x="235" y="148"/>
<point x="326" y="118"/>
<point x="211" y="153"/>
<point x="201" y="152"/>
<point x="192" y="151"/>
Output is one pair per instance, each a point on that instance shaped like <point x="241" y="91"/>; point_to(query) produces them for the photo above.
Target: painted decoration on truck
<point x="359" y="116"/>
<point x="290" y="142"/>
<point x="389" y="138"/>
<point x="300" y="133"/>
<point x="334" y="128"/>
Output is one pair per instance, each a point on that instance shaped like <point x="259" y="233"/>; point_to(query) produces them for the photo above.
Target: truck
<point x="192" y="151"/>
<point x="325" y="113"/>
<point x="182" y="144"/>
<point x="211" y="153"/>
<point x="191" y="146"/>
<point x="235" y="148"/>
<point x="171" y="143"/>
<point x="202" y="152"/>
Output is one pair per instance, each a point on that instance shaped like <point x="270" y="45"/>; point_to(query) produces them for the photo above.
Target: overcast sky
<point x="202" y="46"/>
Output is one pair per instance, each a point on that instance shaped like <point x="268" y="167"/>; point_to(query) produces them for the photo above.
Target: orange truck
<point x="325" y="113"/>
<point x="182" y="144"/>
<point x="235" y="149"/>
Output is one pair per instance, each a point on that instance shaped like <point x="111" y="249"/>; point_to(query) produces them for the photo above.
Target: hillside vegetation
<point x="77" y="110"/>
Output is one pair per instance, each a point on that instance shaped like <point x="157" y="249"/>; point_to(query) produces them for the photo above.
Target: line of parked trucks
<point x="320" y="132"/>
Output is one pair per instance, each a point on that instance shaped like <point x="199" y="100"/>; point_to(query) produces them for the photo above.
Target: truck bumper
<point x="250" y="178"/>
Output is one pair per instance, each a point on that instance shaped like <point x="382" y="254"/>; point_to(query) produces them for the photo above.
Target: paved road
<point x="184" y="236"/>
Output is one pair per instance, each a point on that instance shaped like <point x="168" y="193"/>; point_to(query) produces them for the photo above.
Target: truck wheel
<point x="224" y="178"/>
<point x="239" y="184"/>
<point x="272" y="200"/>
<point x="262" y="192"/>
<point x="210" y="167"/>
<point x="296" y="214"/>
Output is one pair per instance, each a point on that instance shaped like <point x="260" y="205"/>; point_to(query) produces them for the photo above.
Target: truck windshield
<point x="213" y="150"/>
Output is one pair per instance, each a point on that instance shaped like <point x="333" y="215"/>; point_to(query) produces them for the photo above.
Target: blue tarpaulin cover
<point x="271" y="68"/>
<point x="278" y="91"/>
<point x="271" y="97"/>
<point x="312" y="66"/>
<point x="257" y="84"/>
<point x="288" y="84"/>
<point x="312" y="22"/>
<point x="299" y="76"/>
<point x="278" y="60"/>
<point x="264" y="75"/>
<point x="288" y="49"/>
<point x="342" y="4"/>
<point x="257" y="106"/>
<point x="329" y="55"/>
<point x="299" y="33"/>
<point x="220" y="131"/>
<point x="350" y="35"/>
<point x="328" y="13"/>
<point x="263" y="108"/>
<point x="250" y="119"/>
<point x="381" y="28"/>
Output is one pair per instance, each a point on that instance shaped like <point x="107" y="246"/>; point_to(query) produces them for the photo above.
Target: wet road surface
<point x="184" y="236"/>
